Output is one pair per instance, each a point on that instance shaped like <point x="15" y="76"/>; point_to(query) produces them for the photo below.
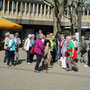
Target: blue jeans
<point x="39" y="58"/>
<point x="6" y="56"/>
<point x="58" y="52"/>
<point x="28" y="56"/>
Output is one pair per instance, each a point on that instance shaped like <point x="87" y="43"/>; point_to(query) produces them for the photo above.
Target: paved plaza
<point x="23" y="77"/>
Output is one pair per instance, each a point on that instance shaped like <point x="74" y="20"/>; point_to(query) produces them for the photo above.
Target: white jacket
<point x="27" y="44"/>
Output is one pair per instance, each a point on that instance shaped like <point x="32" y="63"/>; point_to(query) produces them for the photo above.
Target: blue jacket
<point x="12" y="48"/>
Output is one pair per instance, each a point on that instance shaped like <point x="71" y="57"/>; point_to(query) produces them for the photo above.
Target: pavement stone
<point x="23" y="77"/>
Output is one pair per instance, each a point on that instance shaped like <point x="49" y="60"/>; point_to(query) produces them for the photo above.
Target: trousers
<point x="70" y="62"/>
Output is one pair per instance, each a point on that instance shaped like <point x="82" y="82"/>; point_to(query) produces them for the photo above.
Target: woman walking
<point x="47" y="50"/>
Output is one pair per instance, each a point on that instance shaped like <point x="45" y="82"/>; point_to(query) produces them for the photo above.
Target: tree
<point x="59" y="7"/>
<point x="58" y="11"/>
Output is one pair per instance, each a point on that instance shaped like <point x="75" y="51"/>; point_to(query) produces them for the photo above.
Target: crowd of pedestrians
<point x="47" y="49"/>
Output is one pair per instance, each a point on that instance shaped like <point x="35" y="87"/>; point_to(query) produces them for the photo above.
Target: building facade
<point x="35" y="15"/>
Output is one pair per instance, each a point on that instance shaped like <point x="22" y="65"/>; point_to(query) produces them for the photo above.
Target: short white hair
<point x="12" y="35"/>
<point x="68" y="37"/>
<point x="51" y="34"/>
<point x="82" y="37"/>
<point x="29" y="35"/>
<point x="40" y="30"/>
<point x="40" y="36"/>
<point x="7" y="34"/>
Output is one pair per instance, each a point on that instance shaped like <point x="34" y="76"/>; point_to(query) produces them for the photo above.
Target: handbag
<point x="8" y="48"/>
<point x="32" y="51"/>
<point x="83" y="50"/>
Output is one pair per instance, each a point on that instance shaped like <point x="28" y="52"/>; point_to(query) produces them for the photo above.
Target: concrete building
<point x="34" y="15"/>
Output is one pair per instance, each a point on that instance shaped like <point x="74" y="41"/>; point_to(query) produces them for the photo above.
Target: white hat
<point x="68" y="37"/>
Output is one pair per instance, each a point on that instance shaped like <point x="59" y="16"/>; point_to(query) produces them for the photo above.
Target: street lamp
<point x="80" y="18"/>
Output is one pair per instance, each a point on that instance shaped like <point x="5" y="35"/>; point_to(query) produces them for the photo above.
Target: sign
<point x="77" y="36"/>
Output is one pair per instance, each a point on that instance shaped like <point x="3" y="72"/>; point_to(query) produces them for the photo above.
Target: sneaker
<point x="76" y="70"/>
<point x="37" y="71"/>
<point x="50" y="66"/>
<point x="80" y="60"/>
<point x="28" y="62"/>
<point x="85" y="65"/>
<point x="5" y="63"/>
<point x="68" y="69"/>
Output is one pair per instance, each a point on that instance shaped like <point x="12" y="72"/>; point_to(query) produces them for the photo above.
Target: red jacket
<point x="60" y="45"/>
<point x="74" y="55"/>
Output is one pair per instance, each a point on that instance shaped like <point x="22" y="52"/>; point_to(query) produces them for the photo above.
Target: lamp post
<point x="81" y="5"/>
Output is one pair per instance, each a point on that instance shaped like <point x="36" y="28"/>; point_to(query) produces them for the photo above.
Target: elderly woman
<point x="27" y="48"/>
<point x="47" y="50"/>
<point x="63" y="50"/>
<point x="71" y="50"/>
<point x="75" y="42"/>
<point x="5" y="46"/>
<point x="11" y="48"/>
<point x="39" y="50"/>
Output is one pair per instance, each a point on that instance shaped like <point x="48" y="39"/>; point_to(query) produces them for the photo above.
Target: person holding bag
<point x="70" y="54"/>
<point x="27" y="48"/>
<point x="39" y="51"/>
<point x="11" y="50"/>
<point x="6" y="41"/>
<point x="83" y="47"/>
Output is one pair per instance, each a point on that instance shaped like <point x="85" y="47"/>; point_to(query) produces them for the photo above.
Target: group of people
<point x="47" y="49"/>
<point x="11" y="46"/>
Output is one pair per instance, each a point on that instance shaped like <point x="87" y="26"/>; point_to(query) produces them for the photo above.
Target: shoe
<point x="28" y="62"/>
<point x="76" y="70"/>
<point x="37" y="71"/>
<point x="68" y="70"/>
<point x="50" y="66"/>
<point x="84" y="61"/>
<point x="5" y="63"/>
<point x="85" y="65"/>
<point x="8" y="65"/>
<point x="81" y="61"/>
<point x="63" y="68"/>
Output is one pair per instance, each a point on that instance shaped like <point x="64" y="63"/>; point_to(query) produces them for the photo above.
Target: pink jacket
<point x="39" y="47"/>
